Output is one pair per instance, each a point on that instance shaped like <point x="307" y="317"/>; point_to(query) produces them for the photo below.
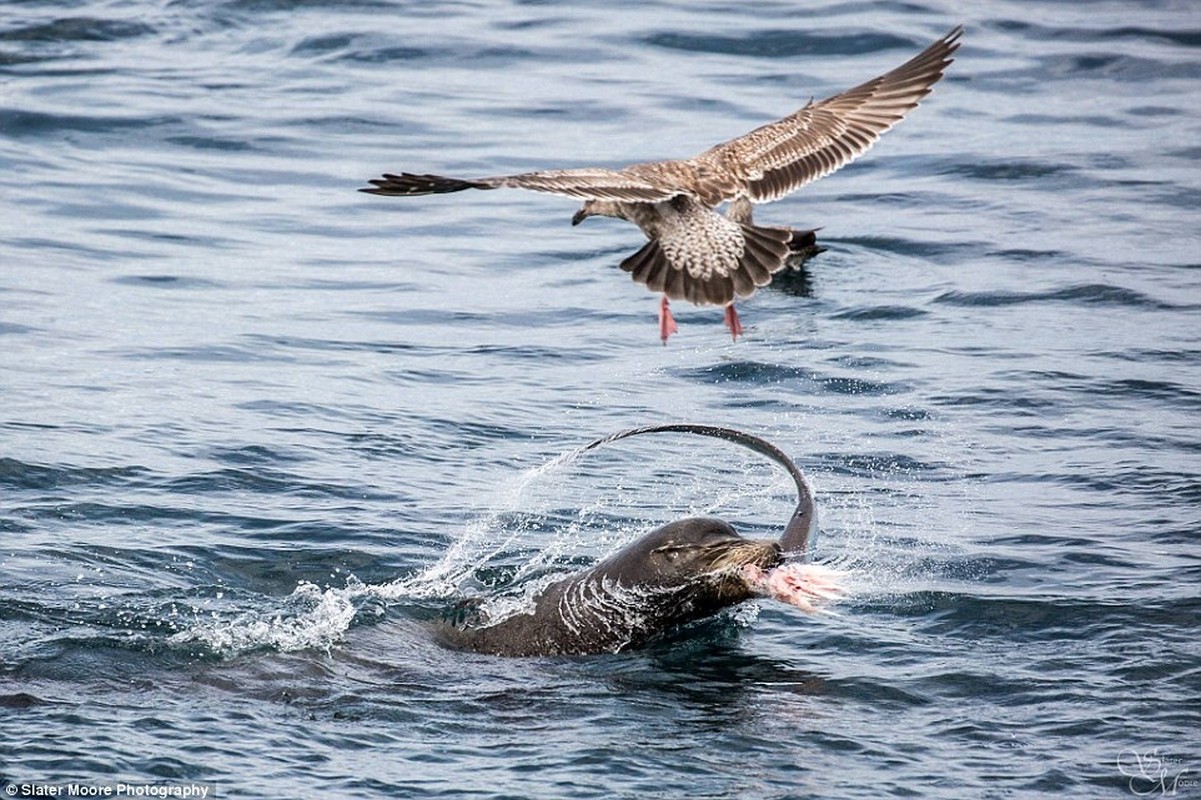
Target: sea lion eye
<point x="671" y="551"/>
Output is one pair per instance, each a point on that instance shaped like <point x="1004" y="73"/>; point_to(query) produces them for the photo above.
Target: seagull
<point x="693" y="252"/>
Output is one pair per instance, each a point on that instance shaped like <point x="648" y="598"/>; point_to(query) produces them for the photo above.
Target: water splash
<point x="523" y="508"/>
<point x="484" y="539"/>
<point x="312" y="618"/>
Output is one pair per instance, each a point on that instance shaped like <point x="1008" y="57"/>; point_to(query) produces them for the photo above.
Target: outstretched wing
<point x="591" y="183"/>
<point x="779" y="158"/>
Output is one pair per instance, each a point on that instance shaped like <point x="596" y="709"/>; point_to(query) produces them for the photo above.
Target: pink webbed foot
<point x="667" y="323"/>
<point x="806" y="586"/>
<point x="732" y="322"/>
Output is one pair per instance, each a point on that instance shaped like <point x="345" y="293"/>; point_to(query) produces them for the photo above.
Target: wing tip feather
<point x="408" y="184"/>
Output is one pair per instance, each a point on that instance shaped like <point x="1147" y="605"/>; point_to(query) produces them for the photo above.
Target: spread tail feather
<point x="765" y="252"/>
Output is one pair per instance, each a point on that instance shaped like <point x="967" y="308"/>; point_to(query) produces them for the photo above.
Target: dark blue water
<point x="257" y="429"/>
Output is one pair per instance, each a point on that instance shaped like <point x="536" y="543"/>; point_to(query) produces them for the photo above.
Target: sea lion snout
<point x="728" y="572"/>
<point x="763" y="554"/>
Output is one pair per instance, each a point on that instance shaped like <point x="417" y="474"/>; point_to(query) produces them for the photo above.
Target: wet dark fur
<point x="684" y="571"/>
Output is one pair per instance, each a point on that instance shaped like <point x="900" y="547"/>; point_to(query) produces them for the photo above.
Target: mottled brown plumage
<point x="694" y="253"/>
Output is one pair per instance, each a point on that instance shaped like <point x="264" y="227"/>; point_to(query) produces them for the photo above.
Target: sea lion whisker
<point x="736" y="556"/>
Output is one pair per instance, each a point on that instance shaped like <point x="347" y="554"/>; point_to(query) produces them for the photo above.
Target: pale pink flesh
<point x="667" y="323"/>
<point x="806" y="586"/>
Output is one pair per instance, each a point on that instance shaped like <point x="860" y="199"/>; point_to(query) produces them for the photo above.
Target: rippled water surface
<point x="258" y="430"/>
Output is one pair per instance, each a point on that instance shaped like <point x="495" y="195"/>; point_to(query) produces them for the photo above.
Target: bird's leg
<point x="667" y="323"/>
<point x="732" y="322"/>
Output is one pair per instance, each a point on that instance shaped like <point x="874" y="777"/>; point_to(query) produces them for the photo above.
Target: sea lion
<point x="682" y="572"/>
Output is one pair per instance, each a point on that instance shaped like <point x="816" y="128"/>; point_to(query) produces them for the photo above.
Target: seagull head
<point x="598" y="208"/>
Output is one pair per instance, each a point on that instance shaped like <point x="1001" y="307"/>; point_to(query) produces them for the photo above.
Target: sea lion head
<point x="699" y="558"/>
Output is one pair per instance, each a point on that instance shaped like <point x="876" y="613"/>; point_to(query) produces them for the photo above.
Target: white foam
<point x="313" y="618"/>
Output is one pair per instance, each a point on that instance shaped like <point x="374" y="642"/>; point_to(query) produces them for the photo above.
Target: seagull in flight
<point x="693" y="252"/>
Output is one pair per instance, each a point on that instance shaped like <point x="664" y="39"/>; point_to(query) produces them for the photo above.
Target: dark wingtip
<point x="408" y="184"/>
<point x="802" y="239"/>
<point x="951" y="42"/>
<point x="385" y="186"/>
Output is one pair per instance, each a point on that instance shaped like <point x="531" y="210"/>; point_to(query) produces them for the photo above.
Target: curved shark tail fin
<point x="801" y="530"/>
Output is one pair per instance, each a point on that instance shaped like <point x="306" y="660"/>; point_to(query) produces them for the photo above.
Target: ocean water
<point x="259" y="430"/>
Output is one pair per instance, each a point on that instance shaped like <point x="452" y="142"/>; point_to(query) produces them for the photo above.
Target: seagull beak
<point x="579" y="216"/>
